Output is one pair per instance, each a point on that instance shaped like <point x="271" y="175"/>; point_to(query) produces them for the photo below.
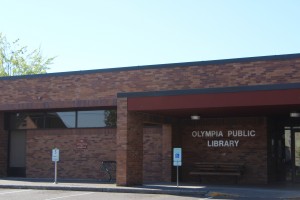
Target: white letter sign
<point x="55" y="155"/>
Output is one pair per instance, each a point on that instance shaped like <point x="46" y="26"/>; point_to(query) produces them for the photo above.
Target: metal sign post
<point x="177" y="176"/>
<point x="55" y="172"/>
<point x="55" y="159"/>
<point x="177" y="160"/>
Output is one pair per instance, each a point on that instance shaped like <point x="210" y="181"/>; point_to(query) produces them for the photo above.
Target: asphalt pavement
<point x="281" y="191"/>
<point x="29" y="194"/>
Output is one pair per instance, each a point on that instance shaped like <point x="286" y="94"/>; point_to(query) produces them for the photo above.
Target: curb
<point x="115" y="190"/>
<point x="220" y="194"/>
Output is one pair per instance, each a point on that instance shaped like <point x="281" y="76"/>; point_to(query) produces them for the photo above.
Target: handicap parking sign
<point x="177" y="157"/>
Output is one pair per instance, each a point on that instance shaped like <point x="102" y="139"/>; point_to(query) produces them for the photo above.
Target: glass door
<point x="288" y="161"/>
<point x="292" y="154"/>
<point x="296" y="154"/>
<point x="17" y="154"/>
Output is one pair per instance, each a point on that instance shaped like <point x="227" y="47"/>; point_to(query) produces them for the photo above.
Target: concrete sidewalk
<point x="230" y="192"/>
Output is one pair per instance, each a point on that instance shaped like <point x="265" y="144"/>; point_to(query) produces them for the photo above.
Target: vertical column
<point x="121" y="151"/>
<point x="135" y="149"/>
<point x="129" y="146"/>
<point x="3" y="147"/>
<point x="167" y="153"/>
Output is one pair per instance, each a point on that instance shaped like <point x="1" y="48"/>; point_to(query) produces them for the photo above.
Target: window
<point x="110" y="118"/>
<point x="96" y="118"/>
<point x="60" y="119"/>
<point x="66" y="119"/>
<point x="27" y="120"/>
<point x="93" y="118"/>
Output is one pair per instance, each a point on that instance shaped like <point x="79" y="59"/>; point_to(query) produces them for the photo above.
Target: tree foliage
<point x="18" y="60"/>
<point x="110" y="118"/>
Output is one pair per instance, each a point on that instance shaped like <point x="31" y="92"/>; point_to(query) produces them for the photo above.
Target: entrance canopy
<point x="219" y="102"/>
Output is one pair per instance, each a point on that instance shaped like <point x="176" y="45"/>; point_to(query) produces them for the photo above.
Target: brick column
<point x="167" y="153"/>
<point x="3" y="147"/>
<point x="129" y="146"/>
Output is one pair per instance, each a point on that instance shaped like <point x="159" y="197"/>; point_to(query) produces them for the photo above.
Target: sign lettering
<point x="227" y="138"/>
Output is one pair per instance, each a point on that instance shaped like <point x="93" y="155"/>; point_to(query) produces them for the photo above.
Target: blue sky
<point x="95" y="34"/>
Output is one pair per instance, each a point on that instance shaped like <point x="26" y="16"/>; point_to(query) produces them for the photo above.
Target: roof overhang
<point x="246" y="100"/>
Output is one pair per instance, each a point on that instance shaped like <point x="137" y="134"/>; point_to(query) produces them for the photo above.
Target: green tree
<point x="110" y="118"/>
<point x="18" y="60"/>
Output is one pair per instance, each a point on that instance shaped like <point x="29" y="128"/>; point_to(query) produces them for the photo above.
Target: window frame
<point x="12" y="126"/>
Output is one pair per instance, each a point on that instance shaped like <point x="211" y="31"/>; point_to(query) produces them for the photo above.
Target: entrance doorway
<point x="17" y="154"/>
<point x="296" y="154"/>
<point x="292" y="154"/>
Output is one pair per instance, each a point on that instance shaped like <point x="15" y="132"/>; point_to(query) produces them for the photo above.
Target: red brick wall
<point x="81" y="151"/>
<point x="3" y="147"/>
<point x="252" y="151"/>
<point x="152" y="158"/>
<point x="100" y="89"/>
<point x="167" y="152"/>
<point x="157" y="156"/>
<point x="131" y="136"/>
<point x="122" y="142"/>
<point x="134" y="149"/>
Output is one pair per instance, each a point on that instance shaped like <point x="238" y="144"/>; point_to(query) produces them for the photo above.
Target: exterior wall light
<point x="195" y="117"/>
<point x="294" y="114"/>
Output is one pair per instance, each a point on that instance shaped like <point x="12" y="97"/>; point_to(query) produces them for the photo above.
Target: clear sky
<point x="95" y="34"/>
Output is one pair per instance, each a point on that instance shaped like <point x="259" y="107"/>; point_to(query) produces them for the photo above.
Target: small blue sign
<point x="177" y="157"/>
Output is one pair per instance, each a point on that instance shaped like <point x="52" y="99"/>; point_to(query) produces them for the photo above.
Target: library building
<point x="232" y="121"/>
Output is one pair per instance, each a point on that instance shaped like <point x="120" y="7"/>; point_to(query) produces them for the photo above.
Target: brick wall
<point x="133" y="139"/>
<point x="100" y="89"/>
<point x="3" y="147"/>
<point x="152" y="158"/>
<point x="157" y="153"/>
<point x="167" y="152"/>
<point x="252" y="151"/>
<point x="134" y="150"/>
<point x="129" y="146"/>
<point x="81" y="151"/>
<point x="122" y="142"/>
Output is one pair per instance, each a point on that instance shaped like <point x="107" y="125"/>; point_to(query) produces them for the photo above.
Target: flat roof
<point x="158" y="66"/>
<point x="233" y="89"/>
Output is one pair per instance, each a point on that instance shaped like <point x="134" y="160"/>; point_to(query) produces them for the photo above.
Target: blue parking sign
<point x="177" y="157"/>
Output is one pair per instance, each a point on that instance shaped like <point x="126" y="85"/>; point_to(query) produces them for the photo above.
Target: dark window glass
<point x="85" y="119"/>
<point x="27" y="121"/>
<point x="60" y="119"/>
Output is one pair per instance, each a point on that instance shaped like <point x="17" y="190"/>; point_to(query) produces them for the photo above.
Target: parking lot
<point x="27" y="194"/>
